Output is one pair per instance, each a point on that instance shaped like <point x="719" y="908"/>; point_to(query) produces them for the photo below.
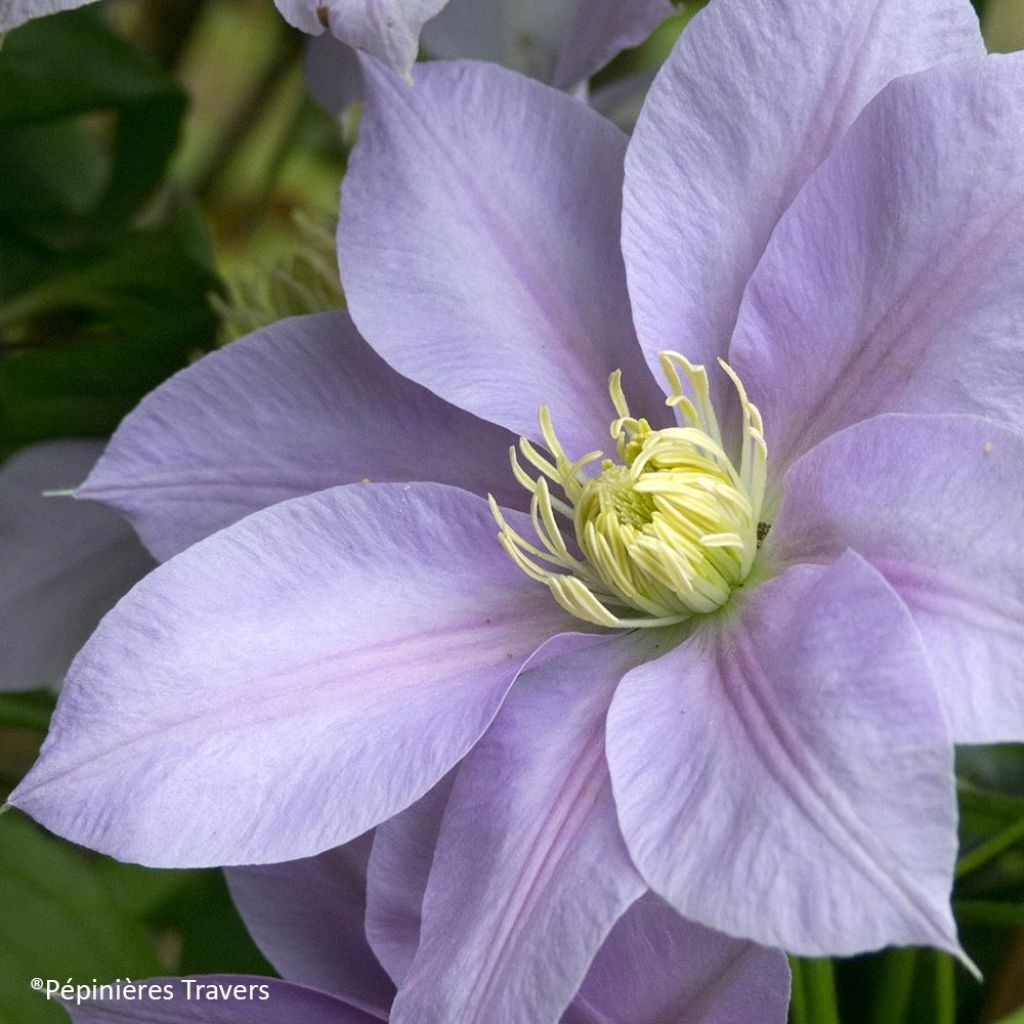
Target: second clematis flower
<point x="725" y="659"/>
<point x="563" y="41"/>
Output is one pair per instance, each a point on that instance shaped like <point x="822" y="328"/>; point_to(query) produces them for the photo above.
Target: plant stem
<point x="818" y="993"/>
<point x="244" y="119"/>
<point x="945" y="990"/>
<point x="894" y="989"/>
<point x="797" y="1002"/>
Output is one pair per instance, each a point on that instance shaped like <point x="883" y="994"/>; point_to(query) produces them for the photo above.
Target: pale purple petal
<point x="304" y="14"/>
<point x="530" y="871"/>
<point x="601" y="29"/>
<point x="176" y="1002"/>
<point x="658" y="968"/>
<point x="397" y="873"/>
<point x="531" y="36"/>
<point x="892" y="283"/>
<point x="293" y="408"/>
<point x="752" y="98"/>
<point x="16" y="12"/>
<point x="63" y="563"/>
<point x="525" y="36"/>
<point x="785" y="774"/>
<point x="333" y="75"/>
<point x="934" y="503"/>
<point x="654" y="967"/>
<point x="478" y="246"/>
<point x="558" y="41"/>
<point x="403" y="853"/>
<point x="291" y="681"/>
<point x="307" y="917"/>
<point x="386" y="29"/>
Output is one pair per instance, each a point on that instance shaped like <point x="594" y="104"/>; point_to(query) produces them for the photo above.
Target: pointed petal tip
<point x="152" y="737"/>
<point x="869" y="890"/>
<point x="969" y="965"/>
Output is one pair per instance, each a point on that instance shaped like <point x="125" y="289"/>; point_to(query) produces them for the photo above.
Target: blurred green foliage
<point x="73" y="915"/>
<point x="59" y="921"/>
<point x="72" y="188"/>
<point x="104" y="279"/>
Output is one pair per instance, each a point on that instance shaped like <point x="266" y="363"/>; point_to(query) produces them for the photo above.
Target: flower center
<point x="666" y="532"/>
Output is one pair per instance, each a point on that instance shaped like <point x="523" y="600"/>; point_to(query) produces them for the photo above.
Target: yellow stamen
<point x="667" y="532"/>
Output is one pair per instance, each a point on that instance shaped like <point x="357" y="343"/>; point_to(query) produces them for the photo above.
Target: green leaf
<point x="54" y="70"/>
<point x="103" y="329"/>
<point x="991" y="848"/>
<point x="58" y="921"/>
<point x="30" y="709"/>
<point x="51" y="172"/>
<point x="1017" y="1017"/>
<point x="983" y="811"/>
<point x="141" y="892"/>
<point x="95" y="311"/>
<point x="212" y="935"/>
<point x="993" y="913"/>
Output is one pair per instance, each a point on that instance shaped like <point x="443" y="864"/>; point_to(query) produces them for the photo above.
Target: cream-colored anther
<point x="667" y="532"/>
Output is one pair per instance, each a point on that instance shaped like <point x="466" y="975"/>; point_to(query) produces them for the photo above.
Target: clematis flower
<point x="64" y="563"/>
<point x="728" y="657"/>
<point x="561" y="42"/>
